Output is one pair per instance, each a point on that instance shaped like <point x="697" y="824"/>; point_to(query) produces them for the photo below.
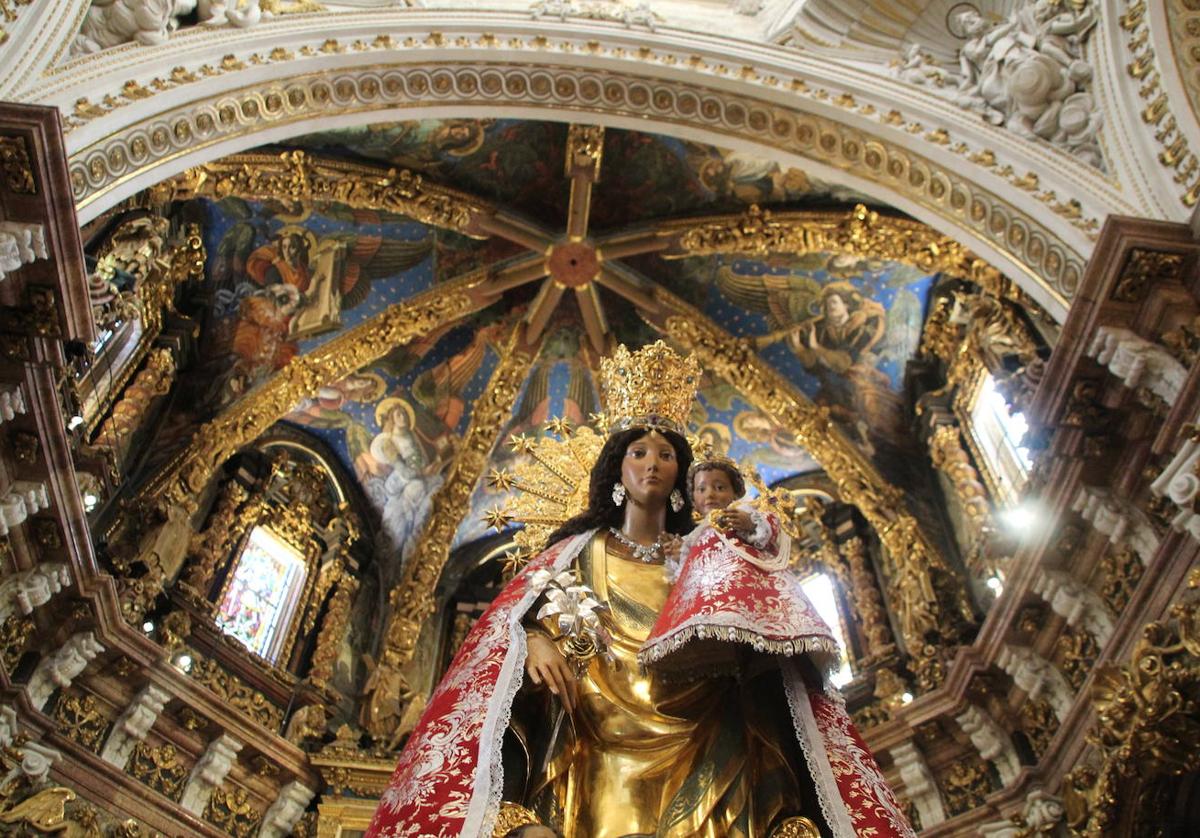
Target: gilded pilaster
<point x="225" y="526"/>
<point x="333" y="631"/>
<point x="948" y="456"/>
<point x="868" y="603"/>
<point x="128" y="414"/>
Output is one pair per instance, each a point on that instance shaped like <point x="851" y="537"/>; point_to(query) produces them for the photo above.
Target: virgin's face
<point x="649" y="468"/>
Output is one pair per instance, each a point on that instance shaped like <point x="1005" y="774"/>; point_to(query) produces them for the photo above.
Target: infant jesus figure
<point x="733" y="590"/>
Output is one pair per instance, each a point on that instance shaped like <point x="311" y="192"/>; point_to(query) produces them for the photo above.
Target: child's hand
<point x="672" y="547"/>
<point x="738" y="520"/>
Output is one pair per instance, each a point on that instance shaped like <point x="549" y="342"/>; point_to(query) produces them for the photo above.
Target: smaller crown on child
<point x="652" y="388"/>
<point x="706" y="457"/>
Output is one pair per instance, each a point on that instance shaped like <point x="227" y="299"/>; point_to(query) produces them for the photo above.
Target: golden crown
<point x="652" y="388"/>
<point x="707" y="458"/>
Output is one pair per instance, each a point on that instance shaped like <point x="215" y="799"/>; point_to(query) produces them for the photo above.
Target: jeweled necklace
<point x="648" y="553"/>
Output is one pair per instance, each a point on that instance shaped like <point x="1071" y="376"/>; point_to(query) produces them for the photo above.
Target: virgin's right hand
<point x="547" y="667"/>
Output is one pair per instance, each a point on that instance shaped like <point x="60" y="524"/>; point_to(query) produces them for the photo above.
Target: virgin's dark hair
<point x="602" y="512"/>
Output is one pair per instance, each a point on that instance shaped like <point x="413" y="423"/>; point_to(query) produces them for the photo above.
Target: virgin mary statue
<point x="540" y="721"/>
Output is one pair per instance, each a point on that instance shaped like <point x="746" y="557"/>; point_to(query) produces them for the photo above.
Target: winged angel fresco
<point x="853" y="344"/>
<point x="280" y="284"/>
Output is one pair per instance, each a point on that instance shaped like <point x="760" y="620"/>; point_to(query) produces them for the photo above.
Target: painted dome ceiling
<point x="285" y="278"/>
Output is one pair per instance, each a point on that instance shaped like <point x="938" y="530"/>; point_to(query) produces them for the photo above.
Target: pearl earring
<point x="618" y="493"/>
<point x="676" y="500"/>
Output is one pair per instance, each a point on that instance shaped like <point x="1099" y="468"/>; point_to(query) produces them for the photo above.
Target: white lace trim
<point x="489" y="770"/>
<point x="823" y="650"/>
<point x="833" y="808"/>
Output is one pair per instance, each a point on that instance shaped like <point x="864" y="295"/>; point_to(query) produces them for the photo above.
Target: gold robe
<point x="647" y="757"/>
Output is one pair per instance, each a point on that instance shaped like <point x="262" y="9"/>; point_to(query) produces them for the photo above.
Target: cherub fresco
<point x="430" y="145"/>
<point x="772" y="445"/>
<point x="844" y="331"/>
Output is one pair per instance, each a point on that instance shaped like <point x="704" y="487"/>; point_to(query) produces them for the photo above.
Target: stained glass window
<point x="820" y="592"/>
<point x="262" y="593"/>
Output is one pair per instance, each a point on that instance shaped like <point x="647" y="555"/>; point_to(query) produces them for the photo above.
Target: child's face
<point x="711" y="489"/>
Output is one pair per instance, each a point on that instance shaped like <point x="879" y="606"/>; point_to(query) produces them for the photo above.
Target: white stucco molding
<point x="919" y="783"/>
<point x="209" y="772"/>
<point x="12" y="402"/>
<point x="279" y="820"/>
<point x="133" y="725"/>
<point x="674" y="59"/>
<point x="1138" y="362"/>
<point x="1037" y="677"/>
<point x="1043" y="811"/>
<point x="992" y="741"/>
<point x="1180" y="482"/>
<point x="21" y="593"/>
<point x="60" y="669"/>
<point x="1076" y="602"/>
<point x="1117" y="519"/>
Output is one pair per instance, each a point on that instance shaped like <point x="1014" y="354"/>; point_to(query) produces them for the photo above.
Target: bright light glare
<point x="184" y="662"/>
<point x="148" y="626"/>
<point x="819" y="590"/>
<point x="907" y="698"/>
<point x="1019" y="518"/>
<point x="75" y="422"/>
<point x="996" y="584"/>
<point x="89" y="501"/>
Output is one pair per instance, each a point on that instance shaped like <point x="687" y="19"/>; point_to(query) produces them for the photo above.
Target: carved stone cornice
<point x="115" y="166"/>
<point x="1121" y="283"/>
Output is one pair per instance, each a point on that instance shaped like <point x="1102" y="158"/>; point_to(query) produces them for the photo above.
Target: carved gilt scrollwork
<point x="293" y="176"/>
<point x="236" y="692"/>
<point x="863" y="588"/>
<point x="79" y="717"/>
<point x="861" y="232"/>
<point x="231" y="810"/>
<point x="1147" y="722"/>
<point x="159" y="768"/>
<point x="228" y="523"/>
<point x="948" y="456"/>
<point x="14" y="156"/>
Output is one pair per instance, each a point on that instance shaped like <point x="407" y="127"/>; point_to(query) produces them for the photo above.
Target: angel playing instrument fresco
<point x="847" y="323"/>
<point x="546" y="722"/>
